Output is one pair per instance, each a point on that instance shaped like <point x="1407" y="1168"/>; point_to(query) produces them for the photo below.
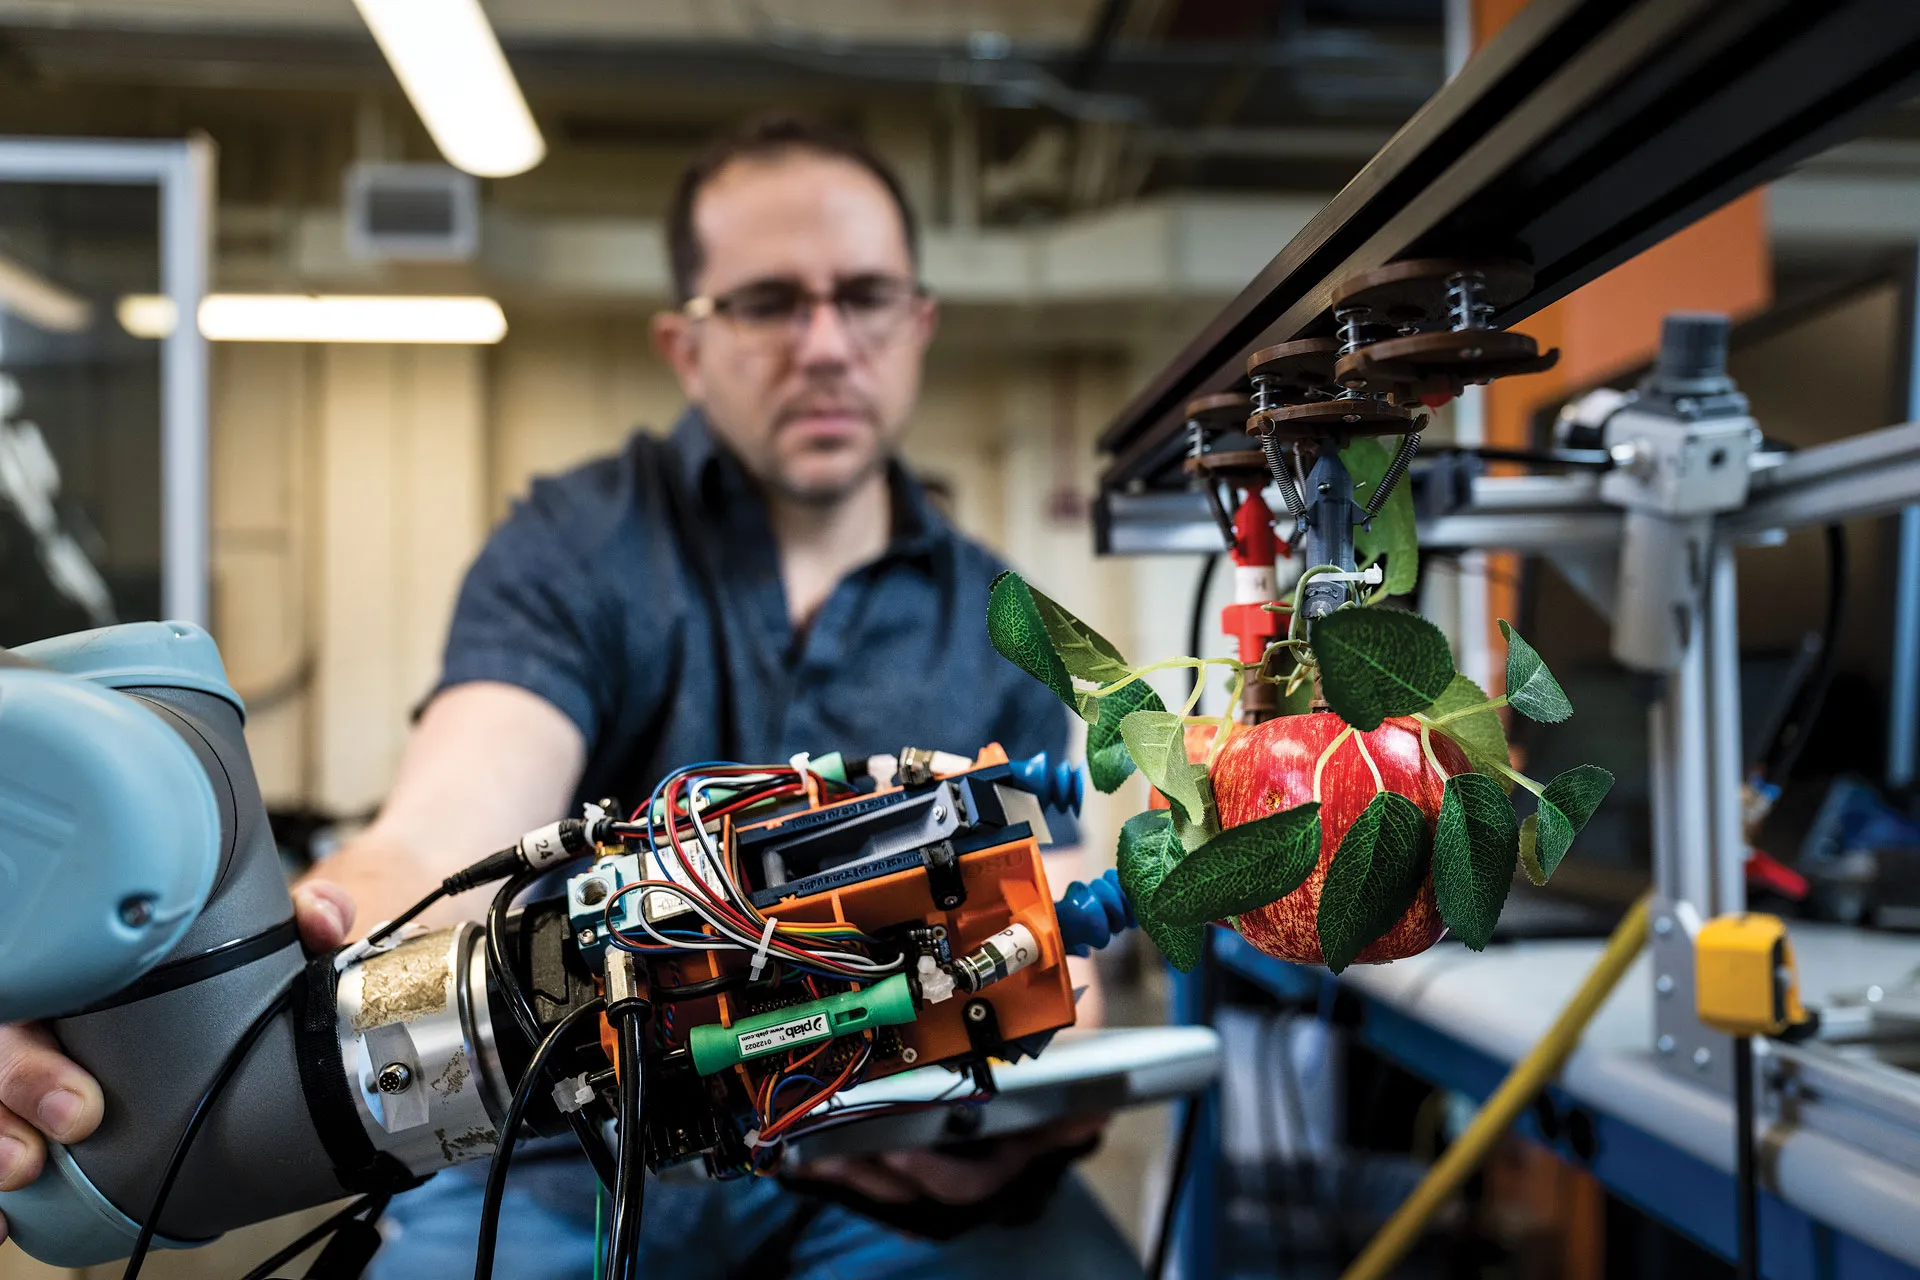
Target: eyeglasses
<point x="872" y="308"/>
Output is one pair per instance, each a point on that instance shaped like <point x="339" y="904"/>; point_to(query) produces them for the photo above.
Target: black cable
<point x="405" y="918"/>
<point x="376" y="1203"/>
<point x="530" y="1083"/>
<point x="1790" y="739"/>
<point x="629" y="1194"/>
<point x="1170" y="1209"/>
<point x="701" y="989"/>
<point x="203" y="1109"/>
<point x="1198" y="622"/>
<point x="501" y="970"/>
<point x="1747" y="1215"/>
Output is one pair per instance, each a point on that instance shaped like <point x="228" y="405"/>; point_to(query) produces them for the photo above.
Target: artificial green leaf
<point x="1480" y="734"/>
<point x="1019" y="633"/>
<point x="1108" y="763"/>
<point x="1475" y="844"/>
<point x="1375" y="876"/>
<point x="1376" y="663"/>
<point x="1083" y="651"/>
<point x="1194" y="832"/>
<point x="1148" y="851"/>
<point x="1157" y="741"/>
<point x="1390" y="534"/>
<point x="1242" y="868"/>
<point x="1531" y="688"/>
<point x="1565" y="805"/>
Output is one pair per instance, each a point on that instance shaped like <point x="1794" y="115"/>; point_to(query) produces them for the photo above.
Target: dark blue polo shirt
<point x="641" y="595"/>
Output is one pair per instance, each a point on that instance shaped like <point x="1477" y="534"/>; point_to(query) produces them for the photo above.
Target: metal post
<point x="186" y="234"/>
<point x="1903" y="721"/>
<point x="1722" y="622"/>
<point x="1196" y="1227"/>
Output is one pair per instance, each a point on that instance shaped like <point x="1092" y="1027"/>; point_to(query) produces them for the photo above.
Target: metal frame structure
<point x="183" y="173"/>
<point x="1585" y="131"/>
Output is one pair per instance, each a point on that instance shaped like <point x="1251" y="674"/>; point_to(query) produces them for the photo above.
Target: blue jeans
<point x="704" y="1230"/>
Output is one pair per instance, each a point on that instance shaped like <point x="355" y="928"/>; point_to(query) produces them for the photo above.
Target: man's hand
<point x="42" y="1092"/>
<point x="901" y="1177"/>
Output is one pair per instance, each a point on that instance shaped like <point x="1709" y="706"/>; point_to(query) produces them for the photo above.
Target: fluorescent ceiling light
<point x="270" y="317"/>
<point x="43" y="304"/>
<point x="147" y="315"/>
<point x="448" y="61"/>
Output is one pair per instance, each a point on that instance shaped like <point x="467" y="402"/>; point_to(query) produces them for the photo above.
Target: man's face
<point x="813" y="399"/>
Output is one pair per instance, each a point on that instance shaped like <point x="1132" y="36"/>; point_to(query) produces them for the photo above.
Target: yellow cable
<point x="1528" y="1077"/>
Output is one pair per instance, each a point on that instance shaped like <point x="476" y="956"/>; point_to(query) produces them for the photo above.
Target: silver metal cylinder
<point x="417" y="1045"/>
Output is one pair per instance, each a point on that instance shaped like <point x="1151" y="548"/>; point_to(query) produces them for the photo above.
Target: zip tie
<point x="1372" y="576"/>
<point x="346" y="957"/>
<point x="760" y="952"/>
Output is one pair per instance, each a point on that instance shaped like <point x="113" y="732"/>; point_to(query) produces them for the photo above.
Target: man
<point x="765" y="582"/>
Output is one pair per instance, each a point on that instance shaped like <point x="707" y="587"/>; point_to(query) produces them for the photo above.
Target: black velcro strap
<point x="358" y="1165"/>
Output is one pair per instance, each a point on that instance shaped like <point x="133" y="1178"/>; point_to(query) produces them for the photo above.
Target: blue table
<point x="1661" y="1143"/>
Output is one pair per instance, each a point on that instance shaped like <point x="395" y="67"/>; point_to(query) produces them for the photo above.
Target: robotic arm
<point x="709" y="971"/>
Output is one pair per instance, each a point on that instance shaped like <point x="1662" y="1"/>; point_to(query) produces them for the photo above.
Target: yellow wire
<point x="1531" y="1074"/>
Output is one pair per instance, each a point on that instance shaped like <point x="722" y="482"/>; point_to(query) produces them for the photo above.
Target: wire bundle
<point x="682" y="805"/>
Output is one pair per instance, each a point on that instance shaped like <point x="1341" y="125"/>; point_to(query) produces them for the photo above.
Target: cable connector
<point x="573" y="1093"/>
<point x="541" y="849"/>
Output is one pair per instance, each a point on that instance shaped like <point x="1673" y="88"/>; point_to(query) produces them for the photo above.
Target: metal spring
<point x="1283" y="477"/>
<point x="1352" y="322"/>
<point x="1402" y="459"/>
<point x="1467" y="305"/>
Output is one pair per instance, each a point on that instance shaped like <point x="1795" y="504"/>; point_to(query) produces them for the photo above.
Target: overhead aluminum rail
<point x="1584" y="132"/>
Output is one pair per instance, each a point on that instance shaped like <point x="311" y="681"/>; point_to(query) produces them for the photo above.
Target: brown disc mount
<point x="1324" y="419"/>
<point x="1243" y="466"/>
<point x="1441" y="363"/>
<point x="1227" y="409"/>
<point x="1296" y="370"/>
<point x="1414" y="292"/>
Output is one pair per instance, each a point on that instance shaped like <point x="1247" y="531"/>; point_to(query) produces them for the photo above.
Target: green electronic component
<point x="885" y="1004"/>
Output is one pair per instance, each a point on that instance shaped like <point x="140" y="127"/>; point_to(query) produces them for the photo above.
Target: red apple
<point x="1270" y="767"/>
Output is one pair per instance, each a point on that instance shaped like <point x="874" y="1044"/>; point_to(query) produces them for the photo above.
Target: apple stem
<point x="1379" y="783"/>
<point x="1426" y="745"/>
<point x="1169" y="665"/>
<point x="1320" y="765"/>
<point x="1516" y="776"/>
<point x="1490" y="704"/>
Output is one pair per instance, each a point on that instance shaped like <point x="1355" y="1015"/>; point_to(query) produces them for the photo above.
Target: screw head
<point x="1663" y="985"/>
<point x="976" y="1012"/>
<point x="593" y="892"/>
<point x="1663" y="926"/>
<point x="585" y="937"/>
<point x="939" y="813"/>
<point x="1702" y="1056"/>
<point x="909" y="1054"/>
<point x="136" y="911"/>
<point x="395" y="1077"/>
<point x="1664" y="1044"/>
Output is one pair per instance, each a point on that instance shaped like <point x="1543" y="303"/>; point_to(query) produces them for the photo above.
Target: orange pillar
<point x="1720" y="263"/>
